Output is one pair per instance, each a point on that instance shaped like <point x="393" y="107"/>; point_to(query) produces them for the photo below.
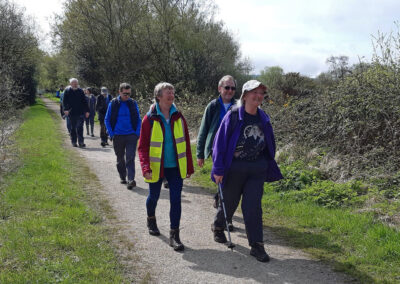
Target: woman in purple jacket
<point x="243" y="159"/>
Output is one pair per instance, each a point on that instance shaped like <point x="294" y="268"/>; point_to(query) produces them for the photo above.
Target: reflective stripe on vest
<point x="156" y="146"/>
<point x="156" y="143"/>
<point x="180" y="141"/>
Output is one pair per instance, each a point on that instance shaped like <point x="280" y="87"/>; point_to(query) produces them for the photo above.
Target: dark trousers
<point x="76" y="123"/>
<point x="125" y="150"/>
<point x="103" y="131"/>
<point x="175" y="182"/>
<point x="68" y="123"/>
<point x="89" y="121"/>
<point x="244" y="179"/>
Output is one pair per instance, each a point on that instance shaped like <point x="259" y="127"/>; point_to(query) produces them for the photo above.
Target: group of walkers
<point x="237" y="135"/>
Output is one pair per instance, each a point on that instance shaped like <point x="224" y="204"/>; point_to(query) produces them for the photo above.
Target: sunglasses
<point x="229" y="88"/>
<point x="126" y="94"/>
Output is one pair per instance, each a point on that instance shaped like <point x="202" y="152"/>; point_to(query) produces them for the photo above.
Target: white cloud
<point x="300" y="35"/>
<point x="42" y="11"/>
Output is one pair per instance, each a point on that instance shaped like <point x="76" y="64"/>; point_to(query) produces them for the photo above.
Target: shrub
<point x="333" y="195"/>
<point x="296" y="177"/>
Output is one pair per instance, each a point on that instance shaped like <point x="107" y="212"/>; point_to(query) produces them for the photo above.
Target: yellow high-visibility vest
<point x="156" y="146"/>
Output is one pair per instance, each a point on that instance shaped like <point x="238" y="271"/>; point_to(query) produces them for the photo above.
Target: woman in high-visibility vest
<point x="164" y="151"/>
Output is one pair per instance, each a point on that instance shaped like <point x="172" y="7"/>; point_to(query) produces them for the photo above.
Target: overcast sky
<point x="296" y="35"/>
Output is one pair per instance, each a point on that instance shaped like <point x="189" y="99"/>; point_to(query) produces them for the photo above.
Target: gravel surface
<point x="203" y="261"/>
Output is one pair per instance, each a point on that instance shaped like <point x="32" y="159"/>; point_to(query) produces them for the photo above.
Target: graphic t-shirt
<point x="251" y="142"/>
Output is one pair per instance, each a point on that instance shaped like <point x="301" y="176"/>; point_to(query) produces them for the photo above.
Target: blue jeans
<point x="175" y="191"/>
<point x="125" y="147"/>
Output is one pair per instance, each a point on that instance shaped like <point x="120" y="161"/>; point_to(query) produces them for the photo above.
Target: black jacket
<point x="101" y="106"/>
<point x="74" y="101"/>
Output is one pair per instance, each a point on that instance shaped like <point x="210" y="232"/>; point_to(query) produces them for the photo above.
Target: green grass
<point x="52" y="97"/>
<point x="351" y="241"/>
<point x="48" y="231"/>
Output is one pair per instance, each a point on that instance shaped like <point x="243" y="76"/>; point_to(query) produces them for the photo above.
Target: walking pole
<point x="221" y="199"/>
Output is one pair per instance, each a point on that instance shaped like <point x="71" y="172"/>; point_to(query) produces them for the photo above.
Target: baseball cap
<point x="104" y="90"/>
<point x="251" y="85"/>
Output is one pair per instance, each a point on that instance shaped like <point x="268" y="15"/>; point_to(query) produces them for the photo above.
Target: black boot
<point x="258" y="251"/>
<point x="219" y="235"/>
<point x="174" y="240"/>
<point x="152" y="225"/>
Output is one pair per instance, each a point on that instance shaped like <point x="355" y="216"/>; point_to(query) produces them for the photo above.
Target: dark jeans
<point x="89" y="120"/>
<point x="68" y="122"/>
<point x="125" y="150"/>
<point x="76" y="122"/>
<point x="175" y="191"/>
<point x="244" y="179"/>
<point x="103" y="131"/>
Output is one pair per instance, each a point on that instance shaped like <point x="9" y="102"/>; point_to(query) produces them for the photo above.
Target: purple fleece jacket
<point x="224" y="146"/>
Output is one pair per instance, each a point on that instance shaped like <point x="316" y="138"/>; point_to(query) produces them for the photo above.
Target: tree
<point x="18" y="58"/>
<point x="338" y="66"/>
<point x="145" y="42"/>
<point x="272" y="77"/>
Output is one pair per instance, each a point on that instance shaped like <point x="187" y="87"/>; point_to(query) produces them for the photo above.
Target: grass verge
<point x="353" y="242"/>
<point x="48" y="232"/>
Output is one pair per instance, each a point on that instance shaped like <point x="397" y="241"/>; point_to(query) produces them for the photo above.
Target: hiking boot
<point x="74" y="145"/>
<point x="83" y="145"/>
<point x="230" y="226"/>
<point x="258" y="251"/>
<point x="175" y="241"/>
<point x="219" y="235"/>
<point x="131" y="184"/>
<point x="92" y="135"/>
<point x="123" y="181"/>
<point x="103" y="144"/>
<point x="107" y="144"/>
<point x="152" y="225"/>
<point x="166" y="185"/>
<point x="216" y="199"/>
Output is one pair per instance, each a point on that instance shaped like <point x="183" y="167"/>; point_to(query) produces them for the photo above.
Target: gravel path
<point x="203" y="260"/>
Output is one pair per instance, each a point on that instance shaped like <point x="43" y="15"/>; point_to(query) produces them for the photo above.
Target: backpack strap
<point x="234" y="118"/>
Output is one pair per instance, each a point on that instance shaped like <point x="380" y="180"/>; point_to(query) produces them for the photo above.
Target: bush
<point x="296" y="177"/>
<point x="332" y="195"/>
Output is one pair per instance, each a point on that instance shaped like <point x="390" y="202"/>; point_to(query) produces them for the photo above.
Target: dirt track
<point x="203" y="260"/>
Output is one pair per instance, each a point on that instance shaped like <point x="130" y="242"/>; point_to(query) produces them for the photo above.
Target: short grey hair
<point x="226" y="78"/>
<point x="159" y="88"/>
<point x="73" y="80"/>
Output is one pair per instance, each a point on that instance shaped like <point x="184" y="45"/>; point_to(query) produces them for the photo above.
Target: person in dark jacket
<point x="212" y="117"/>
<point x="243" y="155"/>
<point x="164" y="151"/>
<point x="101" y="108"/>
<point x="76" y="107"/>
<point x="91" y="101"/>
<point x="123" y="124"/>
<point x="60" y="93"/>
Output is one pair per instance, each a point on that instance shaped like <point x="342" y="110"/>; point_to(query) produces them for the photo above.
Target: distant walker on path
<point x="76" y="108"/>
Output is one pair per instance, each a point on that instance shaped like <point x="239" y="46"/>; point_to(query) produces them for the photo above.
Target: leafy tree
<point x="18" y="57"/>
<point x="145" y="42"/>
<point x="272" y="77"/>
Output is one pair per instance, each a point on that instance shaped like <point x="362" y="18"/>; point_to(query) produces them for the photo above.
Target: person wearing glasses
<point x="164" y="151"/>
<point x="243" y="159"/>
<point x="212" y="117"/>
<point x="123" y="124"/>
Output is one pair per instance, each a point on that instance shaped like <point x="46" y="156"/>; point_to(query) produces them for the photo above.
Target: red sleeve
<point x="190" y="168"/>
<point x="144" y="145"/>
